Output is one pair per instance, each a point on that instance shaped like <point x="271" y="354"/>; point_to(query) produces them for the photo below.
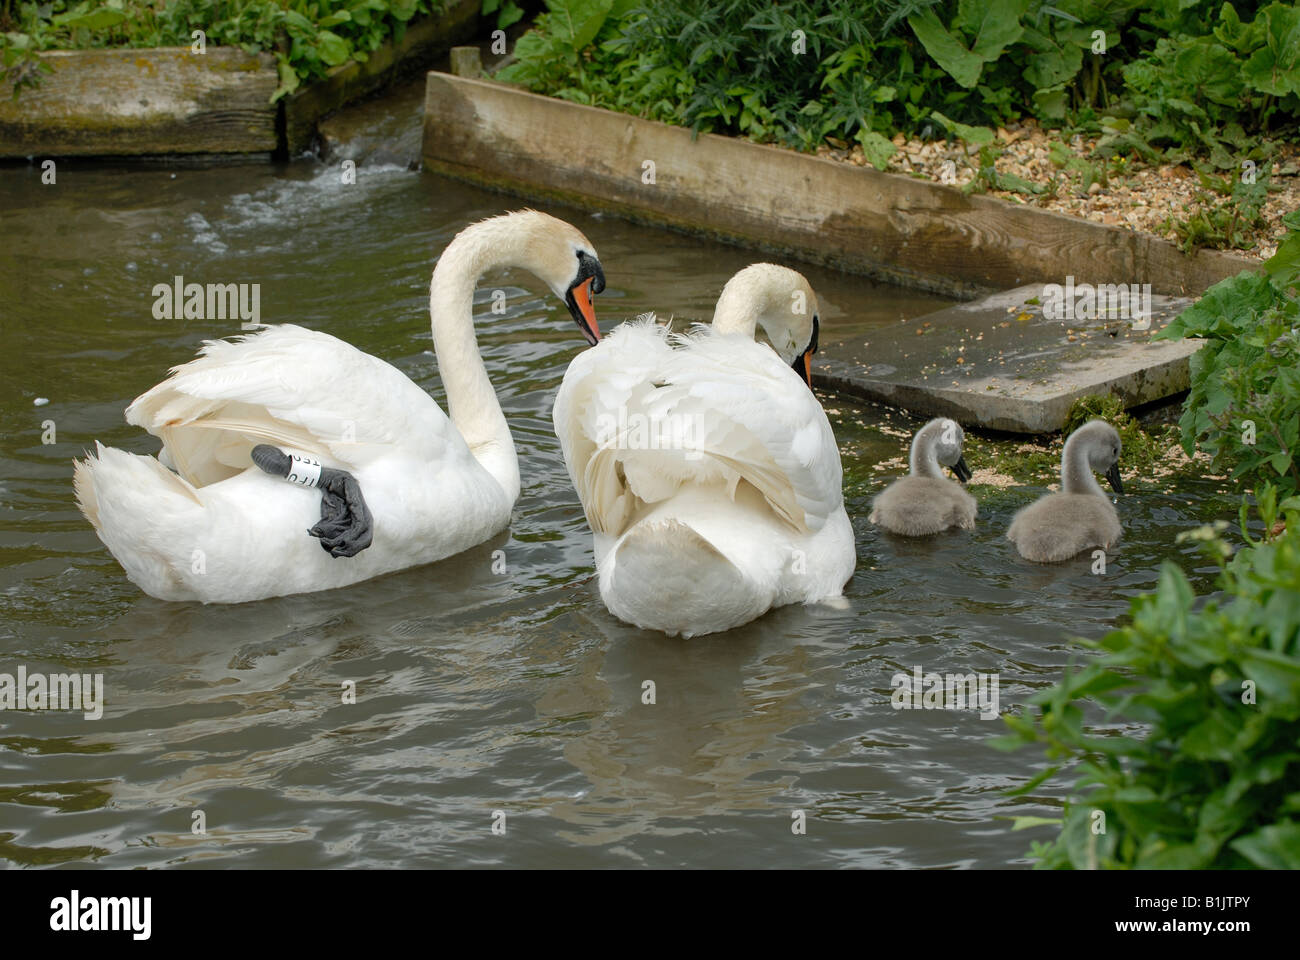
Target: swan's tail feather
<point x="83" y="483"/>
<point x="666" y="576"/>
<point x="136" y="506"/>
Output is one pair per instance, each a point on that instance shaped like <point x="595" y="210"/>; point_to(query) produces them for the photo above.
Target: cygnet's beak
<point x="962" y="471"/>
<point x="1112" y="475"/>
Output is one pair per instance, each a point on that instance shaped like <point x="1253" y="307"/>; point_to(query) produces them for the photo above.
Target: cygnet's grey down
<point x="927" y="502"/>
<point x="1081" y="517"/>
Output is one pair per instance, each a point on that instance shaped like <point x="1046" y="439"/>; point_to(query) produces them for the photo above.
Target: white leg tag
<point x="303" y="470"/>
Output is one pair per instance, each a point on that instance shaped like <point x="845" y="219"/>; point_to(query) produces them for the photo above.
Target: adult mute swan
<point x="707" y="469"/>
<point x="220" y="530"/>
<point x="925" y="501"/>
<point x="1060" y="525"/>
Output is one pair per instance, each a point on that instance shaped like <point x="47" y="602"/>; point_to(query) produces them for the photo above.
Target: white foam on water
<point x="291" y="201"/>
<point x="291" y="204"/>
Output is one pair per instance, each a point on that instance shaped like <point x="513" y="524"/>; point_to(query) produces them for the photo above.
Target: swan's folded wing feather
<point x="598" y="382"/>
<point x="292" y="387"/>
<point x="719" y="409"/>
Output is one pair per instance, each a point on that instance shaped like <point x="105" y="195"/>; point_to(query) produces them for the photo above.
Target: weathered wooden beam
<point x="884" y="225"/>
<point x="171" y="101"/>
<point x="166" y="100"/>
<point x="466" y="62"/>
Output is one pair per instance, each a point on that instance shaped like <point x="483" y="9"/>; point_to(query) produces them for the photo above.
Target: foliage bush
<point x="1177" y="78"/>
<point x="308" y="37"/>
<point x="1243" y="408"/>
<point x="1214" y="780"/>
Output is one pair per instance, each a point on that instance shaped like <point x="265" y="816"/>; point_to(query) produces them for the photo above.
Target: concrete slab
<point x="1001" y="363"/>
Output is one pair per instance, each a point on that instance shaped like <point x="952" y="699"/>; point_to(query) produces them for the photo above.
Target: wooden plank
<point x="424" y="41"/>
<point x="888" y="226"/>
<point x="137" y="102"/>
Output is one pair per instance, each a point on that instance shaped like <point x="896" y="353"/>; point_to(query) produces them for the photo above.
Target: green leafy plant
<point x="1227" y="215"/>
<point x="1213" y="779"/>
<point x="508" y="12"/>
<point x="1213" y="87"/>
<point x="810" y="72"/>
<point x="1243" y="408"/>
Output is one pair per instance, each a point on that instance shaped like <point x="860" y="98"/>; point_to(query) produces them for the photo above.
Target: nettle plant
<point x="1243" y="408"/>
<point x="1213" y="778"/>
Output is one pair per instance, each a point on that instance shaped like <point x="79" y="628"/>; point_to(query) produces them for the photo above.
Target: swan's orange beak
<point x="584" y="313"/>
<point x="803" y="363"/>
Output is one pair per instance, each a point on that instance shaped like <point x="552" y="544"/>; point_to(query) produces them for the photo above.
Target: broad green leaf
<point x="100" y="19"/>
<point x="1275" y="847"/>
<point x="578" y="21"/>
<point x="510" y="14"/>
<point x="402" y="10"/>
<point x="1283" y="268"/>
<point x="1275" y="68"/>
<point x="979" y="136"/>
<point x="995" y="25"/>
<point x="945" y="49"/>
<point x="1183" y="856"/>
<point x="878" y="149"/>
<point x="1027" y="823"/>
<point x="288" y="79"/>
<point x="1051" y="102"/>
<point x="333" y="48"/>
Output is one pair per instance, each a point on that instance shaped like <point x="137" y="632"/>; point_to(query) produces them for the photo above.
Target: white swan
<point x="1061" y="525"/>
<point x="925" y="501"/>
<point x="220" y="530"/>
<point x="707" y="469"/>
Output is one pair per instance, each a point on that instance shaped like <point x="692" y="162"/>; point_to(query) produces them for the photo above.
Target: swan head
<point x="941" y="439"/>
<point x="781" y="302"/>
<point x="550" y="249"/>
<point x="1102" y="446"/>
<point x="559" y="255"/>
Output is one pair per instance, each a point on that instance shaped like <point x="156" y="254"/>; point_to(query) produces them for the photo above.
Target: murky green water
<point x="476" y="692"/>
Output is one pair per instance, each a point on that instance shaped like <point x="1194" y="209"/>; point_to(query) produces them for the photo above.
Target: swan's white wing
<point x="292" y="387"/>
<point x="716" y="409"/>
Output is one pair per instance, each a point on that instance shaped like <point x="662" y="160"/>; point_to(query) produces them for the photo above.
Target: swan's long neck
<point x="471" y="401"/>
<point x="737" y="312"/>
<point x="1076" y="471"/>
<point x="922" y="460"/>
